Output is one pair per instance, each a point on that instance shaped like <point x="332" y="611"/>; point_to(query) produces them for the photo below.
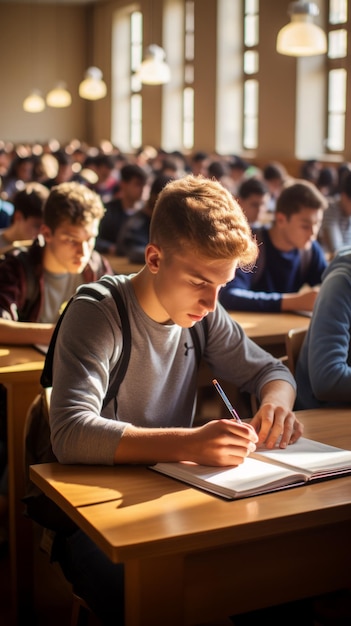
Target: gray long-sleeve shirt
<point x="159" y="388"/>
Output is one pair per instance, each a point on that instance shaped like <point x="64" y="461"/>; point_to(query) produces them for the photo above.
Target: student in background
<point x="65" y="172"/>
<point x="253" y="199"/>
<point x="335" y="232"/>
<point x="104" y="166"/>
<point x="34" y="284"/>
<point x="275" y="177"/>
<point x="237" y="173"/>
<point x="127" y="201"/>
<point x="27" y="217"/>
<point x="290" y="257"/>
<point x="199" y="163"/>
<point x="198" y="237"/>
<point x="134" y="236"/>
<point x="323" y="371"/>
<point x="21" y="171"/>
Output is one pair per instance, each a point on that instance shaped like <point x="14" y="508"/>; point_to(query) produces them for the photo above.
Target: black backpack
<point x="37" y="436"/>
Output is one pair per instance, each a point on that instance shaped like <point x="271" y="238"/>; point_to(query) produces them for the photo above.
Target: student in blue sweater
<point x="290" y="257"/>
<point x="323" y="370"/>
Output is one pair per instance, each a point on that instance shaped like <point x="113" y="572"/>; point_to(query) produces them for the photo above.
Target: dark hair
<point x="237" y="163"/>
<point x="327" y="177"/>
<point x="346" y="185"/>
<point x="30" y="200"/>
<point x="130" y="171"/>
<point x="74" y="203"/>
<point x="251" y="186"/>
<point x="159" y="183"/>
<point x="216" y="169"/>
<point x="273" y="171"/>
<point x="62" y="157"/>
<point x="15" y="164"/>
<point x="104" y="160"/>
<point x="199" y="156"/>
<point x="301" y="194"/>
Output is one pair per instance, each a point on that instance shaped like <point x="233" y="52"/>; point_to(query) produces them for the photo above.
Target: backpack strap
<point x="199" y="334"/>
<point x="119" y="370"/>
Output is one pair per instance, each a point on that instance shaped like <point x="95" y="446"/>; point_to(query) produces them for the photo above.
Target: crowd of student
<point x="198" y="248"/>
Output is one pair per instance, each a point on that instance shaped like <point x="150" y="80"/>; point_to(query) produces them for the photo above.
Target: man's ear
<point x="153" y="255"/>
<point x="280" y="219"/>
<point x="46" y="232"/>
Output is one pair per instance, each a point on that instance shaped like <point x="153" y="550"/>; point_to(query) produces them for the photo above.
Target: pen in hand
<point x="226" y="401"/>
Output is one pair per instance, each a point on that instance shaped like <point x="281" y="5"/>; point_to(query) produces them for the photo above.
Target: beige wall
<point x="40" y="43"/>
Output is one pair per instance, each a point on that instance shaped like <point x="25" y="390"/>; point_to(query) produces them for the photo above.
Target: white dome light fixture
<point x="93" y="86"/>
<point x="59" y="97"/>
<point x="34" y="103"/>
<point x="302" y="38"/>
<point x="154" y="69"/>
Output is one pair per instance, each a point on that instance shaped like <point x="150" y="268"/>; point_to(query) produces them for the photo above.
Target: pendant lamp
<point x="59" y="97"/>
<point x="302" y="38"/>
<point x="34" y="103"/>
<point x="154" y="69"/>
<point x="93" y="86"/>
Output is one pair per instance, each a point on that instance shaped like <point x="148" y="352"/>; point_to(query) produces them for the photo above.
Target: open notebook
<point x="265" y="471"/>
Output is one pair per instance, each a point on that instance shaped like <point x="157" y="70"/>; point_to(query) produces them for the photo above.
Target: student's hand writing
<point x="272" y="422"/>
<point x="222" y="442"/>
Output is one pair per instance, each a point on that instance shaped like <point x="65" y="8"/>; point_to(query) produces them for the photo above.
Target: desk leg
<point x="19" y="398"/>
<point x="154" y="592"/>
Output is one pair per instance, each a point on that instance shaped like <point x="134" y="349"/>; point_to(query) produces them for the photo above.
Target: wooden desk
<point x="20" y="369"/>
<point x="121" y="265"/>
<point x="191" y="557"/>
<point x="269" y="329"/>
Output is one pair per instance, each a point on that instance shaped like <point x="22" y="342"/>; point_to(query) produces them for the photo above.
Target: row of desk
<point x="190" y="557"/>
<point x="20" y="369"/>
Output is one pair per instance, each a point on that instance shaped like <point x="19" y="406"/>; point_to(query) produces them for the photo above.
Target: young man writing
<point x="198" y="238"/>
<point x="290" y="257"/>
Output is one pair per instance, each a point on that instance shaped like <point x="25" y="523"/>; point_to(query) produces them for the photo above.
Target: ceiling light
<point x="59" y="97"/>
<point x="93" y="86"/>
<point x="34" y="103"/>
<point x="154" y="70"/>
<point x="302" y="38"/>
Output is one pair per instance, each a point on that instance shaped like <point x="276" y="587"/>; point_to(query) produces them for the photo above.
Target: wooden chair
<point x="293" y="342"/>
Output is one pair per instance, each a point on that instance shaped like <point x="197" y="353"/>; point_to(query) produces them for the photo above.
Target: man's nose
<point x="210" y="300"/>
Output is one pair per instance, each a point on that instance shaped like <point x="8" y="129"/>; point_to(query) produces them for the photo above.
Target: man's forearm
<point x="278" y="392"/>
<point x="24" y="333"/>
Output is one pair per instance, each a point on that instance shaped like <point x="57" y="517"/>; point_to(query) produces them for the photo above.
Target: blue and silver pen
<point x="226" y="401"/>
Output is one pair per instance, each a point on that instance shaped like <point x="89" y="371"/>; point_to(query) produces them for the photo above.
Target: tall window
<point x="127" y="45"/>
<point x="188" y="94"/>
<point x="337" y="74"/>
<point x="251" y="60"/>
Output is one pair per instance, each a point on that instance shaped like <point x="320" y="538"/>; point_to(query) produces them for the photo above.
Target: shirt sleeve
<point x="328" y="352"/>
<point x="238" y="295"/>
